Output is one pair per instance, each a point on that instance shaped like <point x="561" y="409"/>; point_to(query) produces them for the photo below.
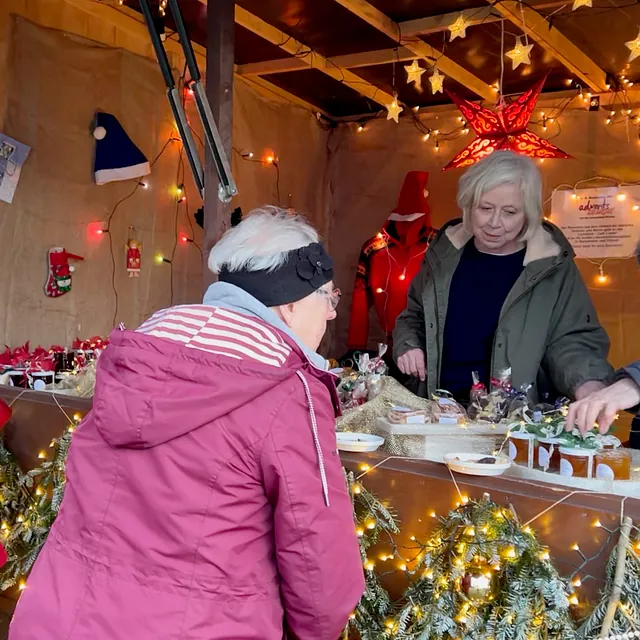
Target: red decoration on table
<point x="503" y="129"/>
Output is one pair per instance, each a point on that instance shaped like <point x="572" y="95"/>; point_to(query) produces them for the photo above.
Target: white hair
<point x="262" y="241"/>
<point x="500" y="168"/>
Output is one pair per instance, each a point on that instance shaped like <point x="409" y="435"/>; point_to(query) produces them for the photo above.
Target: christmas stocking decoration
<point x="59" y="279"/>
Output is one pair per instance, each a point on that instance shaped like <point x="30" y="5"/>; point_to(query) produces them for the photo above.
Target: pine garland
<point x="528" y="601"/>
<point x="627" y="615"/>
<point x="30" y="503"/>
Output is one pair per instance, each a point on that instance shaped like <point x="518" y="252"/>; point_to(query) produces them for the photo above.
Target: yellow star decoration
<point x="414" y="73"/>
<point x="634" y="47"/>
<point x="459" y="28"/>
<point x="394" y="110"/>
<point x="581" y="3"/>
<point x="436" y="80"/>
<point x="520" y="54"/>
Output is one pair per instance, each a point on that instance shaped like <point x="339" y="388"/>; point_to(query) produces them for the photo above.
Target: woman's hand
<point x="413" y="363"/>
<point x="603" y="406"/>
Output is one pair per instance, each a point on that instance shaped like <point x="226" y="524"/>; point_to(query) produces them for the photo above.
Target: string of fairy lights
<point x="618" y="105"/>
<point x="404" y="561"/>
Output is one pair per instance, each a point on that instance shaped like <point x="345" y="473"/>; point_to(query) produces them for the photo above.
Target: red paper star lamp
<point x="503" y="129"/>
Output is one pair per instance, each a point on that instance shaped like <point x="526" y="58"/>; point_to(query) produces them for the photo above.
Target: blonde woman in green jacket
<point x="499" y="289"/>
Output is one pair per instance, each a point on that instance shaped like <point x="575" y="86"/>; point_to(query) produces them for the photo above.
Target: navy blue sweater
<point x="480" y="285"/>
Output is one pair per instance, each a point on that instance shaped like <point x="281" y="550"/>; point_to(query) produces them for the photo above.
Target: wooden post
<point x="219" y="86"/>
<point x="618" y="577"/>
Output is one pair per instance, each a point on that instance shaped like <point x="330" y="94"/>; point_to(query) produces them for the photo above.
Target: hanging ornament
<point x="134" y="258"/>
<point x="520" y="54"/>
<point x="458" y="29"/>
<point x="581" y="3"/>
<point x="634" y="47"/>
<point x="394" y="110"/>
<point x="414" y="73"/>
<point x="503" y="129"/>
<point x="437" y="81"/>
<point x="478" y="584"/>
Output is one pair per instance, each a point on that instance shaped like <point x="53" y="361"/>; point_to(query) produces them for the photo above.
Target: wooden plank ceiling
<point x="347" y="57"/>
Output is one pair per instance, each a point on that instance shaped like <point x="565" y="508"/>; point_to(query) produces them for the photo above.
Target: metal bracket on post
<point x="227" y="187"/>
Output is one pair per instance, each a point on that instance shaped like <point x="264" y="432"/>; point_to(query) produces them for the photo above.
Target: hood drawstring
<point x="316" y="439"/>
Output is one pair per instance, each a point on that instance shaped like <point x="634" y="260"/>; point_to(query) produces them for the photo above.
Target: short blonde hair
<point x="503" y="167"/>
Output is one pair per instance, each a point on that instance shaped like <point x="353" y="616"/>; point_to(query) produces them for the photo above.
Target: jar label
<point x="544" y="457"/>
<point x="566" y="468"/>
<point x="512" y="450"/>
<point x="604" y="472"/>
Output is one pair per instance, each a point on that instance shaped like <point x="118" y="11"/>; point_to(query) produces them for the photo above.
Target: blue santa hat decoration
<point x="117" y="157"/>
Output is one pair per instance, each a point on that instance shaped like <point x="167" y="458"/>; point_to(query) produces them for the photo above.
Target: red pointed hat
<point x="412" y="202"/>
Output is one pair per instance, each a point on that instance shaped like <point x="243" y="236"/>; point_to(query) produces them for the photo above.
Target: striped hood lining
<point x="230" y="334"/>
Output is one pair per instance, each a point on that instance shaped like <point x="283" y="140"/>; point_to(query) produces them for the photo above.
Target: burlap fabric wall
<point x="54" y="83"/>
<point x="372" y="165"/>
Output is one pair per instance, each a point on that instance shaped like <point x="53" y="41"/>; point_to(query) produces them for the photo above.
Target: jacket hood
<point x="547" y="242"/>
<point x="151" y="390"/>
<point x="228" y="296"/>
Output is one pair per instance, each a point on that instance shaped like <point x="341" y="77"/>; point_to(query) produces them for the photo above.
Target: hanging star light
<point x="437" y="81"/>
<point x="414" y="73"/>
<point x="520" y="54"/>
<point x="503" y="129"/>
<point x="458" y="29"/>
<point x="634" y="47"/>
<point x="581" y="3"/>
<point x="394" y="110"/>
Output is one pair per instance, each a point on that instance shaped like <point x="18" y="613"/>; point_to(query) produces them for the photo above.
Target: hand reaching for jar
<point x="602" y="406"/>
<point x="413" y="363"/>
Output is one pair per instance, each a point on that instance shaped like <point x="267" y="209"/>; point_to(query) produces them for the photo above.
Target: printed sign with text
<point x="602" y="222"/>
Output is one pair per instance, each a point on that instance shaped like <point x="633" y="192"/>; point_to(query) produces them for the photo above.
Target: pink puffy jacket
<point x="205" y="498"/>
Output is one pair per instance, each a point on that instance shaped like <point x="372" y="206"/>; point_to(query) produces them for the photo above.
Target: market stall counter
<point x="576" y="528"/>
<point x="574" y="525"/>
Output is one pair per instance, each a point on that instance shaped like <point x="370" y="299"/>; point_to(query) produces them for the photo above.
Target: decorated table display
<point x="63" y="370"/>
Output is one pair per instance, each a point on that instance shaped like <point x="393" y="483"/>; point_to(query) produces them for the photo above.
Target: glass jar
<point x="548" y="454"/>
<point x="577" y="463"/>
<point x="522" y="448"/>
<point x="613" y="464"/>
<point x="609" y="442"/>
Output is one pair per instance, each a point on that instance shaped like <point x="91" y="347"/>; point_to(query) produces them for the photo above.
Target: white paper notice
<point x="600" y="222"/>
<point x="13" y="155"/>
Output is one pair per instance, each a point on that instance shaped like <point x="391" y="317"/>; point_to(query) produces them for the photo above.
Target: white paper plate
<point x="358" y="442"/>
<point x="468" y="463"/>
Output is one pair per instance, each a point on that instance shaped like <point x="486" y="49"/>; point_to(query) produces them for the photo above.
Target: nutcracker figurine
<point x="134" y="255"/>
<point x="390" y="260"/>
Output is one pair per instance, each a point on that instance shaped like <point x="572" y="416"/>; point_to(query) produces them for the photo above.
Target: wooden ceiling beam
<point x="472" y="17"/>
<point x="132" y="23"/>
<point x="436" y="24"/>
<point x="370" y="14"/>
<point x="349" y="61"/>
<point x="553" y="41"/>
<point x="310" y="57"/>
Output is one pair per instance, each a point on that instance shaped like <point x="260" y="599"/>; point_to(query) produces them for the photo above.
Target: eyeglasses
<point x="333" y="297"/>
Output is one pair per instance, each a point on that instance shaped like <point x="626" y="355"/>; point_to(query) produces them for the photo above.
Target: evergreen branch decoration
<point x="517" y="595"/>
<point x="29" y="504"/>
<point x="480" y="576"/>
<point x="626" y="618"/>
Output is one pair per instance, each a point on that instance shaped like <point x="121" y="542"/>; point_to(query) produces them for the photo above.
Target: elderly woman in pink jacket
<point x="205" y="498"/>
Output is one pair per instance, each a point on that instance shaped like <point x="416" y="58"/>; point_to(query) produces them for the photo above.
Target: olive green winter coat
<point x="548" y="332"/>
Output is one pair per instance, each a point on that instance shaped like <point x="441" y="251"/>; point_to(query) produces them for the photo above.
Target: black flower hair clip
<point x="314" y="265"/>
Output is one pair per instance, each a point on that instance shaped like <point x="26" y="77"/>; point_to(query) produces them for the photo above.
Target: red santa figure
<point x="390" y="260"/>
<point x="134" y="257"/>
